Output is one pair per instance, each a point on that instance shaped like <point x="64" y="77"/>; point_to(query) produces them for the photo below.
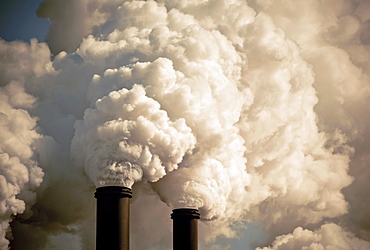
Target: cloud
<point x="19" y="172"/>
<point x="328" y="236"/>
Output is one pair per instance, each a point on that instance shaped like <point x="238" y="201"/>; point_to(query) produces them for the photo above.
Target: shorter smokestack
<point x="185" y="228"/>
<point x="113" y="218"/>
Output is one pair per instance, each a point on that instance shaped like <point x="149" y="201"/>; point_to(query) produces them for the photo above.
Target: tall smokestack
<point x="113" y="218"/>
<point x="185" y="228"/>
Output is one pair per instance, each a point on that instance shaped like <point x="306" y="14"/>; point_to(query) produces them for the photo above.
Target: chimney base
<point x="185" y="228"/>
<point x="113" y="218"/>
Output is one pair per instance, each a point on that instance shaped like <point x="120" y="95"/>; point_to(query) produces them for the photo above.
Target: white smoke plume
<point x="128" y="139"/>
<point x="19" y="172"/>
<point x="328" y="236"/>
<point x="251" y="111"/>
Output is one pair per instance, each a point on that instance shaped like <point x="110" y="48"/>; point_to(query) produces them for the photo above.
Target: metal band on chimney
<point x="185" y="228"/>
<point x="113" y="218"/>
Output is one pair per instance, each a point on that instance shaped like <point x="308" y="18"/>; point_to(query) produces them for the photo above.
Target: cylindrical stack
<point x="185" y="228"/>
<point x="113" y="218"/>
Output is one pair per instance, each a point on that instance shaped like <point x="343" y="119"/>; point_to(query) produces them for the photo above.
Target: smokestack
<point x="185" y="228"/>
<point x="113" y="218"/>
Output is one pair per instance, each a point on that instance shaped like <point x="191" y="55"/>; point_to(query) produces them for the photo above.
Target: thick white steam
<point x="328" y="236"/>
<point x="129" y="139"/>
<point x="19" y="173"/>
<point x="251" y="111"/>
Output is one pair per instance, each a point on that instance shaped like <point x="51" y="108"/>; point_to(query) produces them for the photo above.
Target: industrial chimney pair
<point x="113" y="221"/>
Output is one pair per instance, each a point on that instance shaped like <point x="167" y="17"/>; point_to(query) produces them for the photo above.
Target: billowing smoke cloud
<point x="19" y="172"/>
<point x="129" y="139"/>
<point x="73" y="20"/>
<point x="328" y="236"/>
<point x="254" y="111"/>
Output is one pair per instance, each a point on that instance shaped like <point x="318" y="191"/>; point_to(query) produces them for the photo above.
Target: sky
<point x="18" y="21"/>
<point x="255" y="112"/>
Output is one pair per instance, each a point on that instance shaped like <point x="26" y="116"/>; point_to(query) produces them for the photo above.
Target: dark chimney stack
<point x="113" y="218"/>
<point x="185" y="228"/>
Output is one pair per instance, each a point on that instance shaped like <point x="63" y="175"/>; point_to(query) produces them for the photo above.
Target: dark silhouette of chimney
<point x="113" y="218"/>
<point x="185" y="228"/>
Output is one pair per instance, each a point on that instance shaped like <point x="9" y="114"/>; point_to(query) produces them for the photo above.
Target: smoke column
<point x="250" y="111"/>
